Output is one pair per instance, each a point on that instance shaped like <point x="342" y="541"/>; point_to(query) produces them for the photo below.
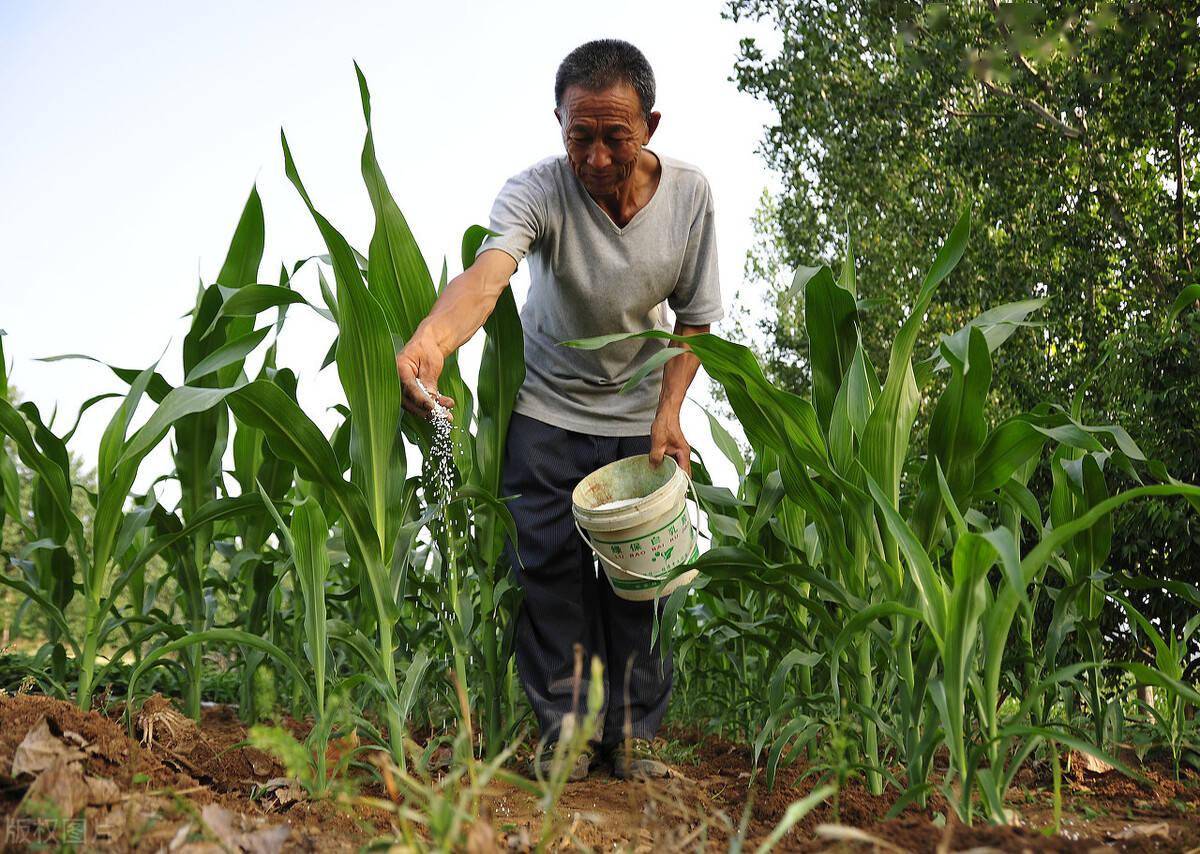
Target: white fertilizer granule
<point x="618" y="504"/>
<point x="442" y="452"/>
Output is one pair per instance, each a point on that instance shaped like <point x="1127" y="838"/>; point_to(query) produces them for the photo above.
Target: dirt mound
<point x="213" y="752"/>
<point x="69" y="777"/>
<point x="108" y="751"/>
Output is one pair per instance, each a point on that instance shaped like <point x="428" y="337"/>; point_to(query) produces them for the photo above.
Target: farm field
<point x="195" y="789"/>
<point x="900" y="638"/>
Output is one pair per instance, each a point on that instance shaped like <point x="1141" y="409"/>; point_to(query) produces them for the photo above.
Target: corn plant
<point x="47" y="563"/>
<point x="1171" y="710"/>
<point x="377" y="514"/>
<point x="912" y="573"/>
<point x="110" y="560"/>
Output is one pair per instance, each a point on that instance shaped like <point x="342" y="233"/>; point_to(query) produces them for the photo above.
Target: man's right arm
<point x="462" y="308"/>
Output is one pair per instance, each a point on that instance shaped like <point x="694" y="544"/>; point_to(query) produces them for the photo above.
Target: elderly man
<point x="614" y="233"/>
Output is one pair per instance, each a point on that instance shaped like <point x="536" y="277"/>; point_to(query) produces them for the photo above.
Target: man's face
<point x="604" y="132"/>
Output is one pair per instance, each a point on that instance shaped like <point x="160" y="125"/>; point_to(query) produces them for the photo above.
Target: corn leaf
<point x="246" y="249"/>
<point x="795" y="812"/>
<point x="366" y="367"/>
<point x="230" y="353"/>
<point x="399" y="279"/>
<point x="1187" y="297"/>
<point x="232" y="636"/>
<point x="726" y="444"/>
<point x="308" y="534"/>
<point x="885" y="438"/>
<point x="157" y="388"/>
<point x="13" y="426"/>
<point x="501" y="373"/>
<point x="831" y="321"/>
<point x="956" y="433"/>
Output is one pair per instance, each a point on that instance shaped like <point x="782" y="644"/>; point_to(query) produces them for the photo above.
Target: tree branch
<point x="1037" y="109"/>
<point x="1010" y="43"/>
<point x="1180" y="221"/>
<point x="973" y="114"/>
<point x="1150" y="260"/>
<point x="1016" y="54"/>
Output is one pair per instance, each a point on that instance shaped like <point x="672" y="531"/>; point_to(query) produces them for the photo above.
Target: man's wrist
<point x="668" y="410"/>
<point x="428" y="335"/>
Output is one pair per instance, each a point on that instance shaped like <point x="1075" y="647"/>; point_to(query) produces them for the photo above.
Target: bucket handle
<point x="587" y="539"/>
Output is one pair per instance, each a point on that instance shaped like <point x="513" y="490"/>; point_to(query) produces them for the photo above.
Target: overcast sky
<point x="135" y="130"/>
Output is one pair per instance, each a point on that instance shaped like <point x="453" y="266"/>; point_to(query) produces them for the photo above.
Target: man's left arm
<point x="666" y="434"/>
<point x="696" y="298"/>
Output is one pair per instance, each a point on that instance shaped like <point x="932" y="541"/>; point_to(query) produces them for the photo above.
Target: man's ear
<point x="652" y="125"/>
<point x="558" y="116"/>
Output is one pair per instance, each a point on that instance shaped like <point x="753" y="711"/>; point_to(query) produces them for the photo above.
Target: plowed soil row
<point x="190" y="789"/>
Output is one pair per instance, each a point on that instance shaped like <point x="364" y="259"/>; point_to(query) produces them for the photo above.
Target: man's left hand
<point x="667" y="440"/>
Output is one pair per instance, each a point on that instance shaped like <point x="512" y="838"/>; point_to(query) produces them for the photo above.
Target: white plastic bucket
<point x="639" y="543"/>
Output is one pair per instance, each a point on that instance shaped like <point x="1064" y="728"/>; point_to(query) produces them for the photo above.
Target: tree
<point x="1070" y="129"/>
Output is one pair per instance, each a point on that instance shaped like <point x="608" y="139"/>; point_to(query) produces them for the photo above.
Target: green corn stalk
<point x="115" y="532"/>
<point x="911" y="580"/>
<point x="501" y="372"/>
<point x="1174" y="702"/>
<point x="365" y="361"/>
<point x="44" y="454"/>
<point x="53" y="564"/>
<point x="213" y="353"/>
<point x="255" y="466"/>
<point x="306" y="542"/>
<point x="371" y="314"/>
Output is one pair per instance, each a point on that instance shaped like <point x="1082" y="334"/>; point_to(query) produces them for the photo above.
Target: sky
<point x="135" y="130"/>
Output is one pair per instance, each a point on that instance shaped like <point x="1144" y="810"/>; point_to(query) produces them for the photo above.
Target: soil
<point x="703" y="804"/>
<point x="190" y="788"/>
<point x="166" y="785"/>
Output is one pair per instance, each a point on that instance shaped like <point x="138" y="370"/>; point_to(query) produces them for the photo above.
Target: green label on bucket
<point x="671" y="531"/>
<point x="644" y="584"/>
<point x="657" y="551"/>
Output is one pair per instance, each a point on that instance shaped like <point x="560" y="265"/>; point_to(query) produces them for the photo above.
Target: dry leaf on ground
<point x="481" y="838"/>
<point x="1087" y="762"/>
<point x="62" y="790"/>
<point x="59" y="790"/>
<point x="844" y="833"/>
<point x="40" y="749"/>
<point x="1149" y="830"/>
<point x="231" y="832"/>
<point x="102" y="792"/>
<point x="279" y="793"/>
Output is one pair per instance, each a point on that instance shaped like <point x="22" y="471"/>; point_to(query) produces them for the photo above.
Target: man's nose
<point x="599" y="157"/>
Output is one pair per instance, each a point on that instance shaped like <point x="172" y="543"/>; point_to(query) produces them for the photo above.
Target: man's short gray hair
<point x="602" y="63"/>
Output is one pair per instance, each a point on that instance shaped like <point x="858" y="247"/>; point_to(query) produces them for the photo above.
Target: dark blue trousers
<point x="566" y="601"/>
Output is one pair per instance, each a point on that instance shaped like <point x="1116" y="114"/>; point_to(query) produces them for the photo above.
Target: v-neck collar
<point x="602" y="214"/>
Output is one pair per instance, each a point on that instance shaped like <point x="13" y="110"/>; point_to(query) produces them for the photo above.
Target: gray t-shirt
<point x="588" y="277"/>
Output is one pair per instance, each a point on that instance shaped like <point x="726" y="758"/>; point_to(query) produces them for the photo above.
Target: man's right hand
<point x="421" y="358"/>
